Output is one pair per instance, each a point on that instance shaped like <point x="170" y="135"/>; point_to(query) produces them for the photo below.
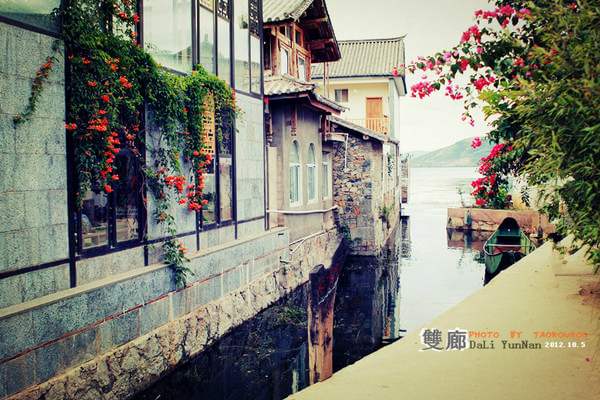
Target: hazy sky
<point x="430" y="25"/>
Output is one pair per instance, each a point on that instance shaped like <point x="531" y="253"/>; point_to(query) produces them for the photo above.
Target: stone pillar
<point x="321" y="301"/>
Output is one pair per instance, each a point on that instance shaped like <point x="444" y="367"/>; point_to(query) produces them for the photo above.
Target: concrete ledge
<point x="529" y="298"/>
<point x="489" y="220"/>
<point x="46" y="336"/>
<point x="119" y="373"/>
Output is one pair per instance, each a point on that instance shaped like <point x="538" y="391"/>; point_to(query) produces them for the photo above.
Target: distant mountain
<point x="460" y="154"/>
<point x="414" y="154"/>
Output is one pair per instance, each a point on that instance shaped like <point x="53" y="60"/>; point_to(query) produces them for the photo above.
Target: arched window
<point x="311" y="175"/>
<point x="295" y="174"/>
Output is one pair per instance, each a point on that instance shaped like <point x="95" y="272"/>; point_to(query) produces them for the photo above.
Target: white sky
<point x="430" y="26"/>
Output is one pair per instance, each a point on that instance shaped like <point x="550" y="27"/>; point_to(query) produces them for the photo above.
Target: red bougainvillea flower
<point x="395" y="72"/>
<point x="125" y="82"/>
<point x="464" y="64"/>
<point x="182" y="201"/>
<point x="480" y="202"/>
<point x="115" y="177"/>
<point x="519" y="62"/>
<point x="85" y="60"/>
<point x="476" y="143"/>
<point x="92" y="83"/>
<point x="108" y="188"/>
<point x="71" y="126"/>
<point x="136" y="18"/>
<point x="196" y="153"/>
<point x="105" y="98"/>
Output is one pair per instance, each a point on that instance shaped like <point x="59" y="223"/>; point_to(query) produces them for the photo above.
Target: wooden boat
<point x="507" y="245"/>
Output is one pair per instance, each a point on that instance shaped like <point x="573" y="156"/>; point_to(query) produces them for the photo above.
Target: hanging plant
<point x="112" y="80"/>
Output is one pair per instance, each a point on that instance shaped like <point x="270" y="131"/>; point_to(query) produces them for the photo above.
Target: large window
<point x="206" y="34"/>
<point x="168" y="32"/>
<point x="255" y="47"/>
<point x="311" y="173"/>
<point x="224" y="42"/>
<point x="37" y="13"/>
<point x="242" y="52"/>
<point x="107" y="220"/>
<point x="226" y="174"/>
<point x="295" y="177"/>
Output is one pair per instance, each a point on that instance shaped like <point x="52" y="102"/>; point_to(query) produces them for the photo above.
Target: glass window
<point x="311" y="167"/>
<point x="301" y="68"/>
<point x="326" y="171"/>
<point x="341" y="95"/>
<point x="241" y="32"/>
<point x="256" y="67"/>
<point x="226" y="174"/>
<point x="168" y="32"/>
<point x="224" y="58"/>
<point x="299" y="38"/>
<point x="127" y="194"/>
<point x="94" y="219"/>
<point x="295" y="174"/>
<point x="37" y="13"/>
<point x="206" y="35"/>
<point x="209" y="212"/>
<point x="285" y="62"/>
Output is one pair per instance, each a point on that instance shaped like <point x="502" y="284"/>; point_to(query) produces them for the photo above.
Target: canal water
<point x="424" y="271"/>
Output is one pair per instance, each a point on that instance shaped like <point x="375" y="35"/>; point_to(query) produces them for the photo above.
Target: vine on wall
<point x="111" y="80"/>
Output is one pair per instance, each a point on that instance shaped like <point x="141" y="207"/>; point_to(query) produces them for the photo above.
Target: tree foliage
<point x="534" y="66"/>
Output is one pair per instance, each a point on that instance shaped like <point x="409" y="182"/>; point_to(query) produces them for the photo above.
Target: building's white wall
<point x="359" y="90"/>
<point x="357" y="96"/>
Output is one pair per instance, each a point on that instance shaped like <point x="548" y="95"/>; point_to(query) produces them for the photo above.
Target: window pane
<point x="168" y="32"/>
<point x="210" y="194"/>
<point x="242" y="65"/>
<point x="224" y="50"/>
<point x="256" y="69"/>
<point x="295" y="153"/>
<point x="294" y="183"/>
<point x="94" y="221"/>
<point x="301" y="68"/>
<point x="284" y="62"/>
<point x="226" y="175"/>
<point x="325" y="186"/>
<point x="127" y="194"/>
<point x="32" y="12"/>
<point x="312" y="195"/>
<point x="207" y="37"/>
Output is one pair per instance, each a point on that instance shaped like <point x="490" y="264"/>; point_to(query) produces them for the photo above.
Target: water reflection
<point x="440" y="269"/>
<point x="263" y="359"/>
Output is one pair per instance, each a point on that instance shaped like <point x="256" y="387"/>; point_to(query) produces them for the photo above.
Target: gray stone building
<point x="87" y="307"/>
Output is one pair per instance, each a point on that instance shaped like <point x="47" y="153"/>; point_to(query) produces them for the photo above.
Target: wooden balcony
<point x="379" y="125"/>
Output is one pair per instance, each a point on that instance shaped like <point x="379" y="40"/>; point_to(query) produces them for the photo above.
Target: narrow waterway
<point x="424" y="271"/>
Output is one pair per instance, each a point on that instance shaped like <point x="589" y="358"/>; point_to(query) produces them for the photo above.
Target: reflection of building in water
<point x="469" y="240"/>
<point x="405" y="241"/>
<point x="366" y="310"/>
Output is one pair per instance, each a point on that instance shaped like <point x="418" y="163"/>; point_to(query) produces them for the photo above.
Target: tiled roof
<point x="365" y="58"/>
<point x="357" y="128"/>
<point x="282" y="85"/>
<point x="282" y="10"/>
<point x="277" y="85"/>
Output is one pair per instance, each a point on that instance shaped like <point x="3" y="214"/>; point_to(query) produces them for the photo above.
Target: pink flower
<point x="476" y="143"/>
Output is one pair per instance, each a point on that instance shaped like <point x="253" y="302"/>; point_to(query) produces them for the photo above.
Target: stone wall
<point x="33" y="170"/>
<point x="150" y="345"/>
<point x="358" y="191"/>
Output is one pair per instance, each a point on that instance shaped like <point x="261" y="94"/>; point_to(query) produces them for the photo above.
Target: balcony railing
<point x="379" y="125"/>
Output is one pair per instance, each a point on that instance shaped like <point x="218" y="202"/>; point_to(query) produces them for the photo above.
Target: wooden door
<point x="374" y="114"/>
